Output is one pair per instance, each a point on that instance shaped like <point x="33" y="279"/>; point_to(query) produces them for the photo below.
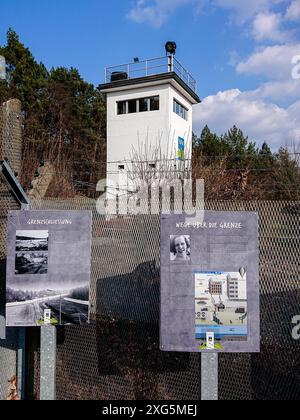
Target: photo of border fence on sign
<point x="48" y="270"/>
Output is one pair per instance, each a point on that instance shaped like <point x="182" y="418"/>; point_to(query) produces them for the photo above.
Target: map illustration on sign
<point x="221" y="306"/>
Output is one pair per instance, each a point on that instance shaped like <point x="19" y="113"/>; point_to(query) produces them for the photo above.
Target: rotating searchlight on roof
<point x="171" y="47"/>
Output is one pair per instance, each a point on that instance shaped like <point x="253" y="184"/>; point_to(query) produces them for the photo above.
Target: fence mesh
<point x="11" y="134"/>
<point x="10" y="150"/>
<point x="274" y="374"/>
<point x="8" y="347"/>
<point x="118" y="356"/>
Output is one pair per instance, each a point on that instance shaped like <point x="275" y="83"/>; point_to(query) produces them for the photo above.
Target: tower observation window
<point x="144" y="105"/>
<point x="180" y="110"/>
<point x="138" y="105"/>
<point x="154" y="103"/>
<point x="122" y="108"/>
<point x="132" y="107"/>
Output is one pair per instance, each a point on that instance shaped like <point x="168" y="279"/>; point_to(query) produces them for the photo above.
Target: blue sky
<point x="239" y="51"/>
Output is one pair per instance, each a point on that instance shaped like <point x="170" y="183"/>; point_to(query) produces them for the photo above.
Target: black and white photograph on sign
<point x="180" y="248"/>
<point x="28" y="301"/>
<point x="32" y="240"/>
<point x="31" y="252"/>
<point x="48" y="270"/>
<point x="31" y="263"/>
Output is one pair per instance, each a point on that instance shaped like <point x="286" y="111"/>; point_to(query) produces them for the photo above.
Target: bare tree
<point x="152" y="163"/>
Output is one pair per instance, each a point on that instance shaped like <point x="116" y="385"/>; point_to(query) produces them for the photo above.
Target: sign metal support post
<point x="209" y="377"/>
<point x="21" y="362"/>
<point x="48" y="363"/>
<point x="2" y="328"/>
<point x="21" y="353"/>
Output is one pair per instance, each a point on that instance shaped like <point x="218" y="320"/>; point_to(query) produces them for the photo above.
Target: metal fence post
<point x="21" y="353"/>
<point x="2" y="328"/>
<point x="48" y="363"/>
<point x="21" y="362"/>
<point x="209" y="377"/>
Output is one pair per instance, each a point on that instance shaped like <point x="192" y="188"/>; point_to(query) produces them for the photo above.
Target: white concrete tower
<point x="149" y="115"/>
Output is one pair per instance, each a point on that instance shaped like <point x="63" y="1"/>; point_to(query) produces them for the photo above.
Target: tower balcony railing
<point x="151" y="67"/>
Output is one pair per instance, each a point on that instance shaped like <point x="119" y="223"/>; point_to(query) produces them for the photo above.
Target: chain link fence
<point x="10" y="151"/>
<point x="11" y="134"/>
<point x="118" y="356"/>
<point x="9" y="346"/>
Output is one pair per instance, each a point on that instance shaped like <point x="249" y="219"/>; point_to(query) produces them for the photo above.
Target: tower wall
<point x="180" y="127"/>
<point x="151" y="136"/>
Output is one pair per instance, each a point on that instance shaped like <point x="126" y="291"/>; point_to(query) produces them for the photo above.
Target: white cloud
<point x="244" y="10"/>
<point x="293" y="12"/>
<point x="260" y="120"/>
<point x="254" y="111"/>
<point x="275" y="65"/>
<point x="155" y="12"/>
<point x="280" y="91"/>
<point x="268" y="27"/>
<point x="272" y="62"/>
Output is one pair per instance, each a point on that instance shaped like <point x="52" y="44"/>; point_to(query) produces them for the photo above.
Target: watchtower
<point x="149" y="114"/>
